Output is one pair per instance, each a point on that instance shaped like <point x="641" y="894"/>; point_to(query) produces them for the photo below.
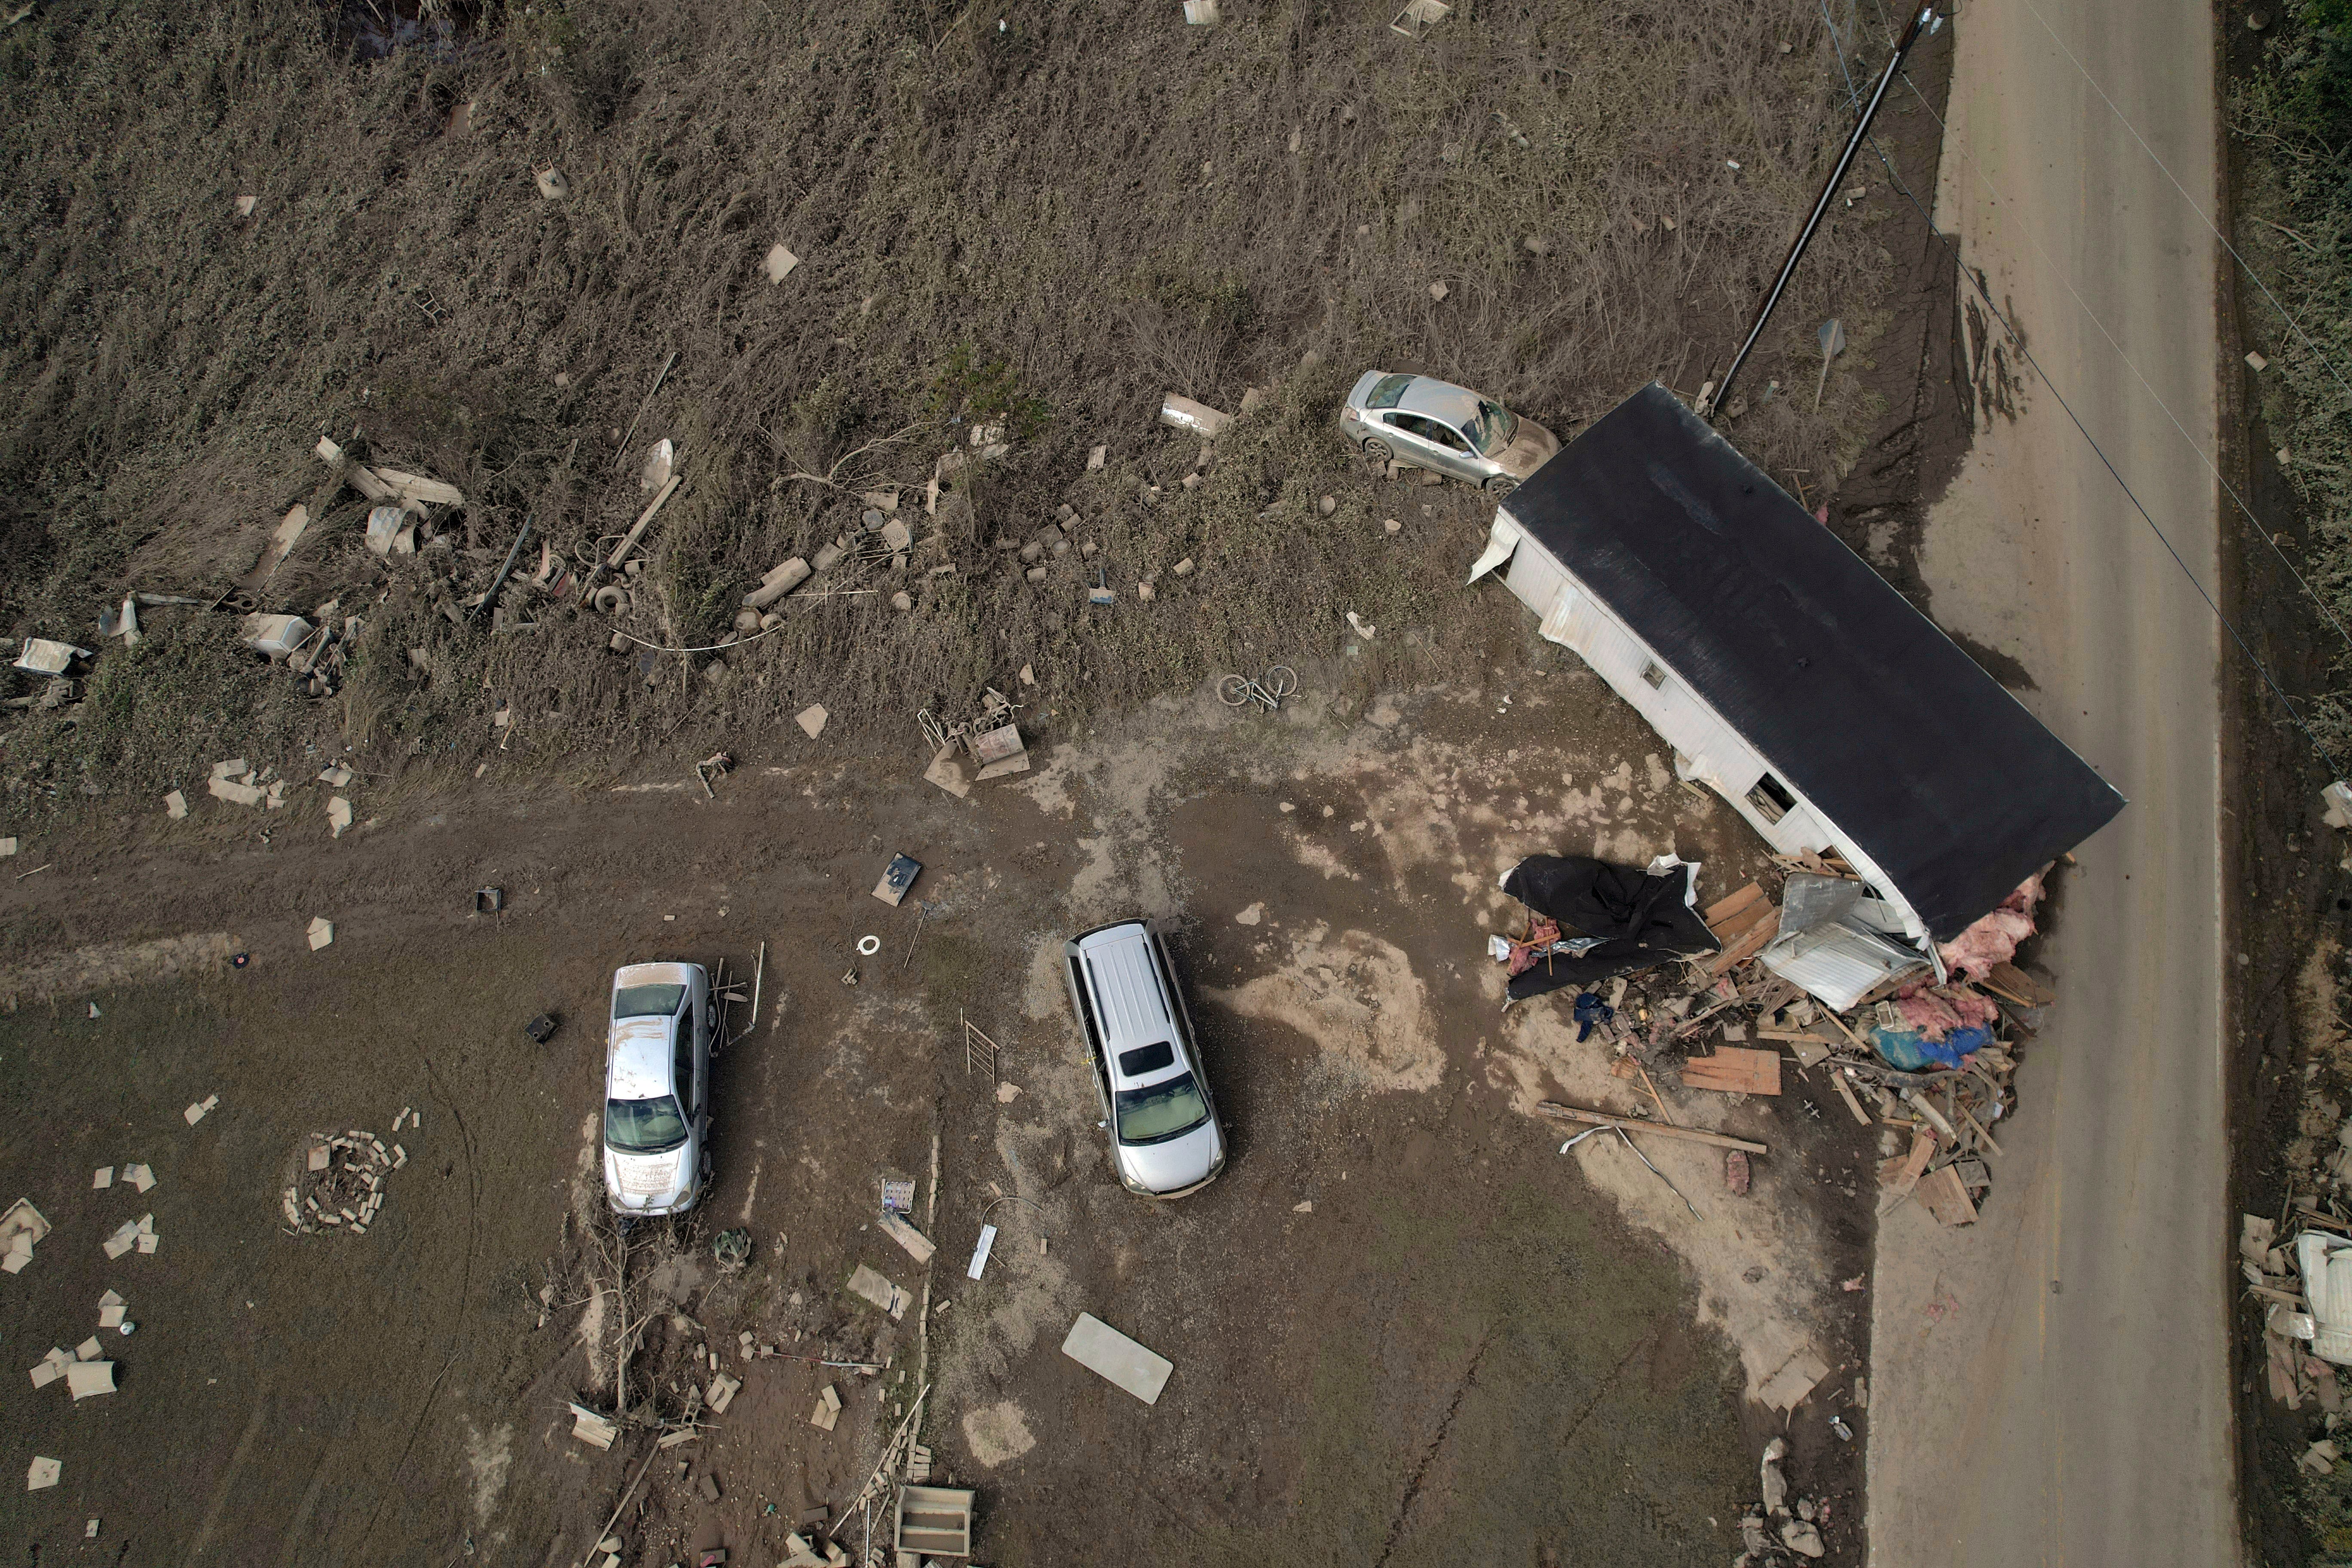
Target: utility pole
<point x="1713" y="398"/>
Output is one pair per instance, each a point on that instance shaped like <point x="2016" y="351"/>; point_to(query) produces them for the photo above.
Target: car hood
<point x="1530" y="450"/>
<point x="648" y="1181"/>
<point x="1179" y="1163"/>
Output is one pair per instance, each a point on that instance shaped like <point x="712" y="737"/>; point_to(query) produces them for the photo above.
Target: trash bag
<point x="1908" y="1050"/>
<point x="1642" y="917"/>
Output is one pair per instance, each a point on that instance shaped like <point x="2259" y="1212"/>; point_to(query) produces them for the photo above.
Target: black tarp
<point x="1642" y="919"/>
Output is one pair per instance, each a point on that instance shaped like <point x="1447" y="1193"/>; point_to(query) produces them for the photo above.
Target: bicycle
<point x="1280" y="681"/>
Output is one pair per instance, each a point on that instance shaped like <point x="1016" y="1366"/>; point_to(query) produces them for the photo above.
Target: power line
<point x="2219" y="477"/>
<point x="2018" y="342"/>
<point x="2241" y="261"/>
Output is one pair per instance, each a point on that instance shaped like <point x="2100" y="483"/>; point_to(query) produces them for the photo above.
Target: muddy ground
<point x="1467" y="1347"/>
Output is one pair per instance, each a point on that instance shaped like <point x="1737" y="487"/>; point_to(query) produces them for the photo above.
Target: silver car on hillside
<point x="658" y="1088"/>
<point x="1426" y="423"/>
<point x="1164" y="1138"/>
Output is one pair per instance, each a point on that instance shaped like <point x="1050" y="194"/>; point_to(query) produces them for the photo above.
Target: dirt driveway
<point x="1405" y="1329"/>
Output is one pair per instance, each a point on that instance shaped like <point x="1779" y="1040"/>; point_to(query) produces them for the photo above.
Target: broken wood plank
<point x="1845" y="1089"/>
<point x="1905" y="1175"/>
<point x="629" y="540"/>
<point x="1947" y="1197"/>
<point x="416" y="487"/>
<point x="1750" y="942"/>
<point x="918" y="1245"/>
<point x="2018" y="986"/>
<point x="1735" y="1069"/>
<point x="1559" y="1112"/>
<point x="1724" y="909"/>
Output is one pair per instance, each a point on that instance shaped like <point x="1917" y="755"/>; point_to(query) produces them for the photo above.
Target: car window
<point x="644" y="1126"/>
<point x="1492" y="430"/>
<point x="1387" y="391"/>
<point x="1162" y="1111"/>
<point x="648" y="1001"/>
<point x="682" y="1065"/>
<point x="1146" y="1059"/>
<point x="1429" y="430"/>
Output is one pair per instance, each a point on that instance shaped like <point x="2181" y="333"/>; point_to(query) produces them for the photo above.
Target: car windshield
<point x="1162" y="1111"/>
<point x="648" y="1001"/>
<point x="644" y="1126"/>
<point x="1492" y="430"/>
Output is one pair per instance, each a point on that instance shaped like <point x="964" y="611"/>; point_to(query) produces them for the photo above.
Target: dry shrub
<point x="1045" y="225"/>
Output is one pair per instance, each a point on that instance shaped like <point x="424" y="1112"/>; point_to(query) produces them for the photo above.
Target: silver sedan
<point x="1429" y="424"/>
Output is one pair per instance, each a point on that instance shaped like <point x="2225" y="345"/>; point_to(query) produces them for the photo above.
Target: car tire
<point x="1500" y="485"/>
<point x="1378" y="452"/>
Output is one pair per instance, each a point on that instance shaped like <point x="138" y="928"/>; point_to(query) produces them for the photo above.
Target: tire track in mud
<point x="464" y="1287"/>
<point x="1429" y="1455"/>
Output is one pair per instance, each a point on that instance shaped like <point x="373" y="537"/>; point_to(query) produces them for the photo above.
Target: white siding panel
<point x="1535" y="577"/>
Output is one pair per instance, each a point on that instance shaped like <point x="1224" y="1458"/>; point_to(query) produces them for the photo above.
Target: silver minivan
<point x="1164" y="1138"/>
<point x="658" y="1088"/>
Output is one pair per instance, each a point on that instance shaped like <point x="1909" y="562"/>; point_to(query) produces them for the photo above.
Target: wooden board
<point x="2018" y="986"/>
<point x="1748" y="943"/>
<point x="1735" y="1069"/>
<point x="1724" y="909"/>
<point x="1845" y="1089"/>
<point x="1947" y="1197"/>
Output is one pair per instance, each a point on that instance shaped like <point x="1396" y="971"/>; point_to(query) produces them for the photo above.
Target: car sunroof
<point x="1146" y="1059"/>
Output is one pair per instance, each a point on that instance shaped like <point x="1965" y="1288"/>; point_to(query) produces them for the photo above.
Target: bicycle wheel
<point x="1233" y="692"/>
<point x="1281" y="680"/>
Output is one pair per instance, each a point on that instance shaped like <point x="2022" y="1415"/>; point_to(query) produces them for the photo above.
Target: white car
<point x="1164" y="1138"/>
<point x="658" y="1088"/>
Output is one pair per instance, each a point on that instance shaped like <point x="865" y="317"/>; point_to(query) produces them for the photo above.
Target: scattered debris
<point x="934" y="1521"/>
<point x="1419" y="16"/>
<point x="552" y="184"/>
<point x="175" y="805"/>
<point x="42" y="1473"/>
<point x="1183" y="414"/>
<point x="41" y="656"/>
<point x="20" y="1228"/>
<point x="869" y="1286"/>
<point x="779" y="263"/>
<point x="828" y="1409"/>
<point x="723" y="1389"/>
<point x="979" y="1252"/>
<point x="196" y="1112"/>
<point x="321" y="932"/>
<point x="918" y="1247"/>
<point x="595" y="1430"/>
<point x="1103" y="1349"/>
<point x="87" y="1379"/>
<point x="341" y="1186"/>
<point x="897" y="877"/>
<point x="811" y="719"/>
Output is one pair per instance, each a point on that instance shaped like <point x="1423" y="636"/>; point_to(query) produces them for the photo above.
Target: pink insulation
<point x="1934" y="1012"/>
<point x="1994" y="939"/>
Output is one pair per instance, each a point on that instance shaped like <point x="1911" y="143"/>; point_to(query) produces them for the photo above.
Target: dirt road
<point x="2052" y="1386"/>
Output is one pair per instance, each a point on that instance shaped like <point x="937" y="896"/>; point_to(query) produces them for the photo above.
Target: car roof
<point x="637" y="1066"/>
<point x="1130" y="1006"/>
<point x="1440" y="399"/>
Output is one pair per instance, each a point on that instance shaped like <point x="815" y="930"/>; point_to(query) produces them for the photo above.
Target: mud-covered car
<point x="658" y="1088"/>
<point x="1448" y="429"/>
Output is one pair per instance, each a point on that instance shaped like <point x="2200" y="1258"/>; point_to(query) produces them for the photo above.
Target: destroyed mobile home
<point x="1797" y="683"/>
<point x="1913" y="804"/>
